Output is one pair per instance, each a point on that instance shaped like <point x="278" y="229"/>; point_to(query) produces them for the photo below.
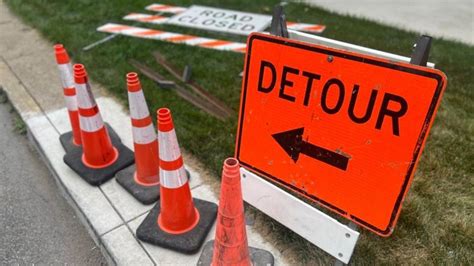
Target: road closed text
<point x="224" y="20"/>
<point x="220" y="20"/>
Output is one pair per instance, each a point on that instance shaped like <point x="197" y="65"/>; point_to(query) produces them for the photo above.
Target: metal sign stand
<point x="333" y="237"/>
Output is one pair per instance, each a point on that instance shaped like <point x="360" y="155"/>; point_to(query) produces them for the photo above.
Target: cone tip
<point x="80" y="74"/>
<point x="58" y="47"/>
<point x="231" y="168"/>
<point x="163" y="114"/>
<point x="165" y="122"/>
<point x="132" y="76"/>
<point x="133" y="83"/>
<point x="61" y="55"/>
<point x="231" y="162"/>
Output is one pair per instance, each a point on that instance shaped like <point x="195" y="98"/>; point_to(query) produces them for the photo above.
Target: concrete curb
<point x="110" y="214"/>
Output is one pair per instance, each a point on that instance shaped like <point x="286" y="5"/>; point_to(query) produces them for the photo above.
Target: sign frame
<point x="327" y="233"/>
<point x="439" y="77"/>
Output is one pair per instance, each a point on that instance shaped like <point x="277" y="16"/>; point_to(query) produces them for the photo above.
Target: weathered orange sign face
<point x="343" y="129"/>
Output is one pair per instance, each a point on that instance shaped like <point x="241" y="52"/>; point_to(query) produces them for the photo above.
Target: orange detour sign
<point x="343" y="129"/>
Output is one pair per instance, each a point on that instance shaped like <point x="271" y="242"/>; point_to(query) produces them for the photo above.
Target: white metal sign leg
<point x="315" y="226"/>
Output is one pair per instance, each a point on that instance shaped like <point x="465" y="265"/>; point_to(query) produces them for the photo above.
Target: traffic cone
<point x="142" y="179"/>
<point x="230" y="244"/>
<point x="100" y="157"/>
<point x="177" y="221"/>
<point x="72" y="139"/>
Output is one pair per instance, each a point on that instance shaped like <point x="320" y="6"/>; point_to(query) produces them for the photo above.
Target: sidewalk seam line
<point x="199" y="185"/>
<point x="110" y="230"/>
<point x="126" y="225"/>
<point x="139" y="215"/>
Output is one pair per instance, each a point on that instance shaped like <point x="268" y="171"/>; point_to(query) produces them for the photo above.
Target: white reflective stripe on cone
<point x="71" y="103"/>
<point x="169" y="147"/>
<point x="85" y="100"/>
<point x="137" y="103"/>
<point x="91" y="123"/>
<point x="173" y="179"/>
<point x="67" y="79"/>
<point x="144" y="135"/>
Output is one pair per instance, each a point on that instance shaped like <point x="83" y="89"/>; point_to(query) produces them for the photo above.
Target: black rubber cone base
<point x="95" y="177"/>
<point x="259" y="257"/>
<point x="144" y="194"/>
<point x="68" y="145"/>
<point x="189" y="242"/>
<point x="66" y="142"/>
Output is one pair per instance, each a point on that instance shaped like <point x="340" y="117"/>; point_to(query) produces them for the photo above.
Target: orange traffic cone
<point x="230" y="245"/>
<point x="72" y="139"/>
<point x="178" y="221"/>
<point x="142" y="179"/>
<point x="100" y="157"/>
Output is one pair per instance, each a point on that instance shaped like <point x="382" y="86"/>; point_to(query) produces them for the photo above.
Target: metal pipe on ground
<point x="194" y="87"/>
<point x="183" y="93"/>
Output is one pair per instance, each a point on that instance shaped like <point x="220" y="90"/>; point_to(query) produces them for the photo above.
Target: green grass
<point x="19" y="125"/>
<point x="436" y="224"/>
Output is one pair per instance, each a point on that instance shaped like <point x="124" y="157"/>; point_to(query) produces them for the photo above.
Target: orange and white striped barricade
<point x="102" y="155"/>
<point x="230" y="246"/>
<point x="72" y="139"/>
<point x="146" y="18"/>
<point x="172" y="37"/>
<point x="141" y="179"/>
<point x="178" y="221"/>
<point x="166" y="8"/>
<point x="158" y="19"/>
<point x="161" y="8"/>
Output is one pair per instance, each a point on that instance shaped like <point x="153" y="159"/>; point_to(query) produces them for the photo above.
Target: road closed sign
<point x="343" y="129"/>
<point x="218" y="19"/>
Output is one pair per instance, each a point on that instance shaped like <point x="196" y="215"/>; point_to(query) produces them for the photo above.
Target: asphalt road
<point x="37" y="226"/>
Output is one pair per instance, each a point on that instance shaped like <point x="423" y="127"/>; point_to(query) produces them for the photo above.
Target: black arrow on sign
<point x="293" y="144"/>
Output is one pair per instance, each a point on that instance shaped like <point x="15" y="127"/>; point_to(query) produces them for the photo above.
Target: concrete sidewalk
<point x="439" y="18"/>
